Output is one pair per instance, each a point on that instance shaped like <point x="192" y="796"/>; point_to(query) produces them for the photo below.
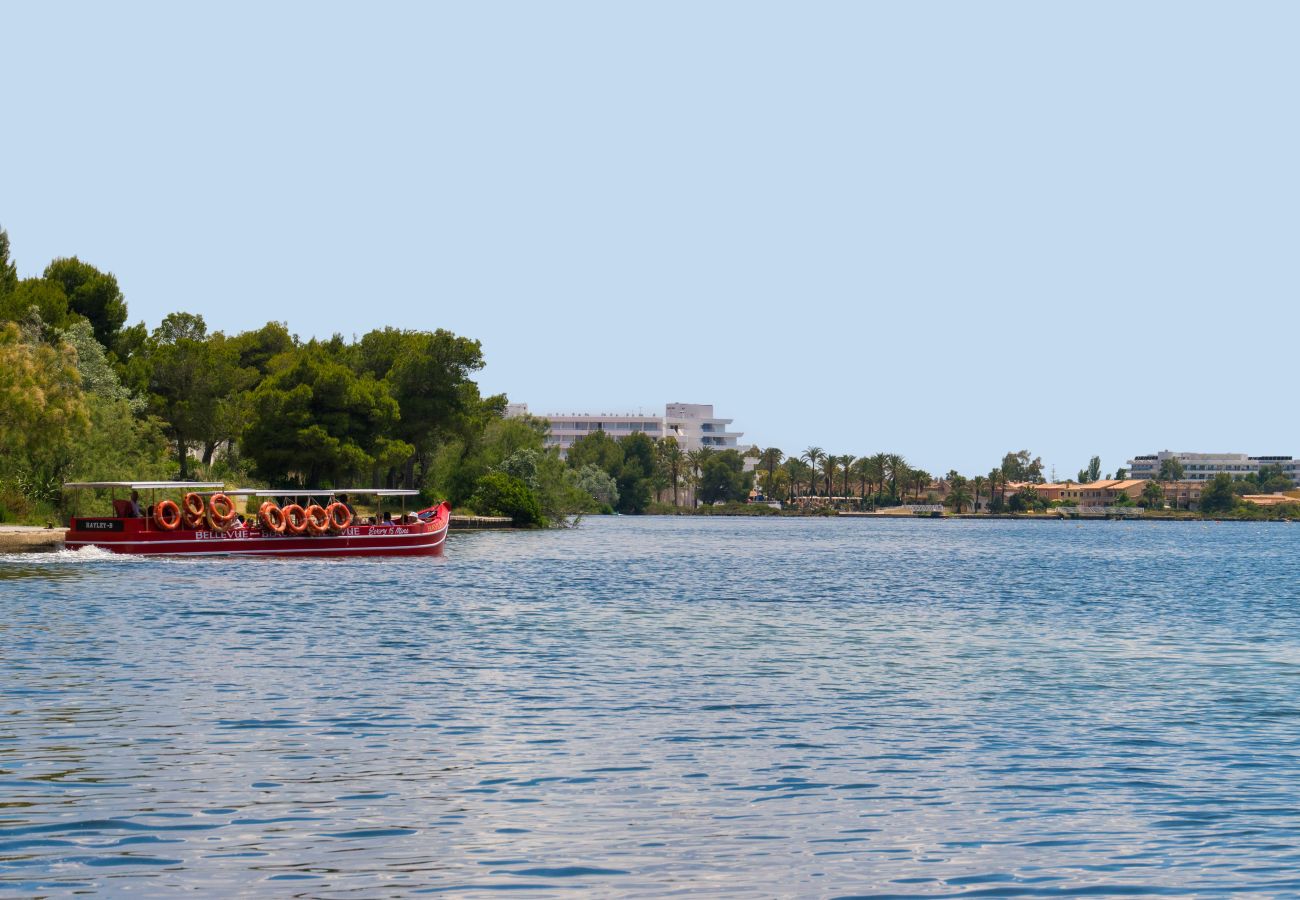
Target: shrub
<point x="499" y="494"/>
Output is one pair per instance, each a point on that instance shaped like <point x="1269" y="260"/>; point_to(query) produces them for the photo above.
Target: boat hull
<point x="142" y="537"/>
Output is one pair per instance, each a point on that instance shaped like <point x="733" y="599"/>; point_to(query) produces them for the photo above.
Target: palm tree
<point x="861" y="473"/>
<point x="695" y="460"/>
<point x="671" y="458"/>
<point x="769" y="460"/>
<point x="920" y="479"/>
<point x="897" y="469"/>
<point x="813" y="456"/>
<point x="1153" y="495"/>
<point x="847" y="462"/>
<point x="877" y="467"/>
<point x="995" y="478"/>
<point x="797" y="471"/>
<point x="958" y="493"/>
<point x="978" y="483"/>
<point x="829" y="468"/>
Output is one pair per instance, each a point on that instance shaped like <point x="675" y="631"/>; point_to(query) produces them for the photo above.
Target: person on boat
<point x="388" y="518"/>
<point x="134" y="505"/>
<point x="343" y="498"/>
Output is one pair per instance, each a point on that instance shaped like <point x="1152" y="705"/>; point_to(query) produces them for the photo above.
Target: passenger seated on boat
<point x="128" y="509"/>
<point x="343" y="498"/>
<point x="388" y="518"/>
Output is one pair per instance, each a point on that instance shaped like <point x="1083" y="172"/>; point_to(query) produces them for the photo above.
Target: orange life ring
<point x="339" y="516"/>
<point x="167" y="515"/>
<point x="318" y="522"/>
<point x="271" y="517"/>
<point x="194" y="505"/>
<point x="221" y="520"/>
<point x="295" y="520"/>
<point x="193" y="522"/>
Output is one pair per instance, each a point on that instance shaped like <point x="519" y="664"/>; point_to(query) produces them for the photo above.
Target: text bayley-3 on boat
<point x="288" y="522"/>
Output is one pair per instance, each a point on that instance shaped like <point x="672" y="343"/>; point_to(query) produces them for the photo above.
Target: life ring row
<point x="219" y="514"/>
<point x="294" y="519"/>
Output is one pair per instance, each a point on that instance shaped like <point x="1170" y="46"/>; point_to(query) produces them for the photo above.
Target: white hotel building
<point x="693" y="424"/>
<point x="1204" y="466"/>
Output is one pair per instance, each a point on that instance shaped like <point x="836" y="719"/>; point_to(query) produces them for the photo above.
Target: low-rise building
<point x="1093" y="493"/>
<point x="1107" y="492"/>
<point x="1269" y="499"/>
<point x="1182" y="494"/>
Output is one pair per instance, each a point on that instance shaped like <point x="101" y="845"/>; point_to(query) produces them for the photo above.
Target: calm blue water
<point x="645" y="706"/>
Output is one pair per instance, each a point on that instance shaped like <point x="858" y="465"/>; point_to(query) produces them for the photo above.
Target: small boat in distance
<point x="287" y="523"/>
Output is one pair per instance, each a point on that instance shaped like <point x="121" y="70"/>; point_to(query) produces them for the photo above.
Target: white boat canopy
<point x="146" y="485"/>
<point x="370" y="492"/>
<point x="219" y="487"/>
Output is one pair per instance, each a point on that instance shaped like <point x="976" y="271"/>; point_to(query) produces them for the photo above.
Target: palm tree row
<point x="816" y="473"/>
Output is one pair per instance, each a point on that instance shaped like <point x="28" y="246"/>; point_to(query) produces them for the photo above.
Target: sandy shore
<point x="29" y="539"/>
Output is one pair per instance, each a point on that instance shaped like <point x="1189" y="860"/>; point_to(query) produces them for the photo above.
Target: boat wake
<point x="65" y="557"/>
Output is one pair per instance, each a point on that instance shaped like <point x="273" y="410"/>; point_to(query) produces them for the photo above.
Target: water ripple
<point x="638" y="707"/>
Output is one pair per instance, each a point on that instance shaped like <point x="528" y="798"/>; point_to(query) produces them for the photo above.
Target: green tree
<point x="813" y="456"/>
<point x="429" y="375"/>
<point x="861" y="474"/>
<point x="257" y="350"/>
<point x="1092" y="473"/>
<point x="92" y="294"/>
<point x="1171" y="469"/>
<point x="1217" y="495"/>
<point x="98" y="377"/>
<point x="499" y="494"/>
<point x="671" y="461"/>
<point x="898" y="472"/>
<point x="798" y="473"/>
<point x="959" y="495"/>
<point x="1153" y="495"/>
<point x="636" y="474"/>
<point x="876" y="470"/>
<point x="830" y="466"/>
<point x="723" y="478"/>
<point x="46" y="297"/>
<point x="596" y="449"/>
<point x="317" y="421"/>
<point x="187" y="379"/>
<point x="1018" y="466"/>
<point x="8" y="271"/>
<point x="977" y="484"/>
<point x="997" y="500"/>
<point x="42" y="411"/>
<point x="695" y="460"/>
<point x="770" y="461"/>
<point x="920" y="481"/>
<point x="1271" y="479"/>
<point x="1024" y="500"/>
<point x="596" y="483"/>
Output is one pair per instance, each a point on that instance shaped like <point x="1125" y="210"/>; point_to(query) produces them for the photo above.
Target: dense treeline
<point x="85" y="396"/>
<point x="886" y="479"/>
<point x="815" y="478"/>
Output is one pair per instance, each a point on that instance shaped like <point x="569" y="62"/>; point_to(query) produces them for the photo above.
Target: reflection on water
<point x="644" y="706"/>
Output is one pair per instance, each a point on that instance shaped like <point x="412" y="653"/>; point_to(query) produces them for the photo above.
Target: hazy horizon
<point x="943" y="231"/>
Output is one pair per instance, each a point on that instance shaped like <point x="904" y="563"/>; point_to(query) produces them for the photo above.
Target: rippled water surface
<point x="646" y="706"/>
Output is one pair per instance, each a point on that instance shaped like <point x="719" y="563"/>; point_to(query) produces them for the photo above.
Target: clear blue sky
<point x="947" y="230"/>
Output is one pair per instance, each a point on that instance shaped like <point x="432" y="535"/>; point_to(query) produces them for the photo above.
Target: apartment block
<point x="694" y="425"/>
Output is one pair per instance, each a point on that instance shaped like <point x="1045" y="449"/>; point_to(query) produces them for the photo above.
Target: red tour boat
<point x="287" y="522"/>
